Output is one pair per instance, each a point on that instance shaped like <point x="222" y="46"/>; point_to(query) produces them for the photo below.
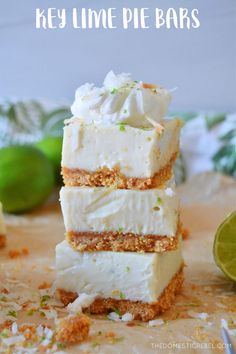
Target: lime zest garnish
<point x="117" y="311"/>
<point x="12" y="313"/>
<point x="114" y="90"/>
<point x="120" y="230"/>
<point x="159" y="200"/>
<point x="122" y="295"/>
<point x="121" y="126"/>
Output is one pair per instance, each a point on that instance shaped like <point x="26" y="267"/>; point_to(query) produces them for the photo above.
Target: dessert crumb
<point x="185" y="233"/>
<point x="44" y="285"/>
<point x="2" y="241"/>
<point x="73" y="329"/>
<point x="18" y="253"/>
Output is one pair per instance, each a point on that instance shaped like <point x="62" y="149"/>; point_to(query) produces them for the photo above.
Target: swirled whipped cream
<point x="121" y="100"/>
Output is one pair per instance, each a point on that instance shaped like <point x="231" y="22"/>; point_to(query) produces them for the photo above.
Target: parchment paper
<point x="205" y="201"/>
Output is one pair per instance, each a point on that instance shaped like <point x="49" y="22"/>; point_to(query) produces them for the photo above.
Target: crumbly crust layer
<point x="121" y="242"/>
<point x="2" y="241"/>
<point x="140" y="310"/>
<point x="105" y="177"/>
<point x="73" y="329"/>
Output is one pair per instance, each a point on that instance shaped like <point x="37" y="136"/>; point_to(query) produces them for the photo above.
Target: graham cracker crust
<point x="2" y="241"/>
<point x="140" y="310"/>
<point x="121" y="242"/>
<point x="105" y="177"/>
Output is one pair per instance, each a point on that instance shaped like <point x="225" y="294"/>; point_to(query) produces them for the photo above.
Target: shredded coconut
<point x="13" y="340"/>
<point x="127" y="317"/>
<point x="154" y="323"/>
<point x="81" y="302"/>
<point x="113" y="316"/>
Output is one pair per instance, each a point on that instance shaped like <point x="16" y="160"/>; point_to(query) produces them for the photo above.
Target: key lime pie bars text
<point x="120" y="208"/>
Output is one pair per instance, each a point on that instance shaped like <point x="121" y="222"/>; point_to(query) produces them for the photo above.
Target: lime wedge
<point x="224" y="248"/>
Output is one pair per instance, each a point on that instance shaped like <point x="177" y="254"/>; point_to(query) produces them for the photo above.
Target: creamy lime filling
<point x="119" y="275"/>
<point x="152" y="211"/>
<point x="136" y="152"/>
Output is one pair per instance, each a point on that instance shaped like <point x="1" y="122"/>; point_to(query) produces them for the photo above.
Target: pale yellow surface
<point x="204" y="205"/>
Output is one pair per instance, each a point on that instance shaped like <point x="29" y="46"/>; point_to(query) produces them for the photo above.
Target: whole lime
<point x="52" y="147"/>
<point x="26" y="178"/>
<point x="224" y="248"/>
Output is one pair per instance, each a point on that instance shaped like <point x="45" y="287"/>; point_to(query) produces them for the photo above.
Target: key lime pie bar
<point x="103" y="218"/>
<point x="115" y="137"/>
<point x="2" y="229"/>
<point x="121" y="212"/>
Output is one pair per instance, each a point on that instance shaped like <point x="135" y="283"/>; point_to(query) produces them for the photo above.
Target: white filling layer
<point x="2" y="224"/>
<point x="151" y="211"/>
<point x="137" y="152"/>
<point x="120" y="275"/>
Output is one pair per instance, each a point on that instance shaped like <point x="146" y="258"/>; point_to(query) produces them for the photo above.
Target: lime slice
<point x="225" y="246"/>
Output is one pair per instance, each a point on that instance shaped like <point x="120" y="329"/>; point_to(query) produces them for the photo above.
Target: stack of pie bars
<point x="122" y="250"/>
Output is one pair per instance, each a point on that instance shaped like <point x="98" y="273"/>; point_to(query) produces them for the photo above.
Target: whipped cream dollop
<point x="121" y="100"/>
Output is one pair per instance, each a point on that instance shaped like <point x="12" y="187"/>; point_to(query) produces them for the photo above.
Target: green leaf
<point x="229" y="135"/>
<point x="225" y="160"/>
<point x="213" y="120"/>
<point x="53" y="121"/>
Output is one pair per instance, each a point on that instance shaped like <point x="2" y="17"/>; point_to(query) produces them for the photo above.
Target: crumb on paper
<point x="44" y="285"/>
<point x="73" y="329"/>
<point x="185" y="233"/>
<point x="2" y="241"/>
<point x="18" y="253"/>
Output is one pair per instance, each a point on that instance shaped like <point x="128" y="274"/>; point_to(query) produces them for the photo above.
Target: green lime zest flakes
<point x="30" y="312"/>
<point x="61" y="346"/>
<point x="122" y="295"/>
<point x="121" y="126"/>
<point x="44" y="299"/>
<point x="3" y="334"/>
<point x="29" y="344"/>
<point x="159" y="201"/>
<point x="128" y="269"/>
<point x="231" y="324"/>
<point x="94" y="344"/>
<point x="140" y="325"/>
<point x="117" y="311"/>
<point x="114" y="90"/>
<point x="12" y="313"/>
<point x="117" y="340"/>
<point x="120" y="229"/>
